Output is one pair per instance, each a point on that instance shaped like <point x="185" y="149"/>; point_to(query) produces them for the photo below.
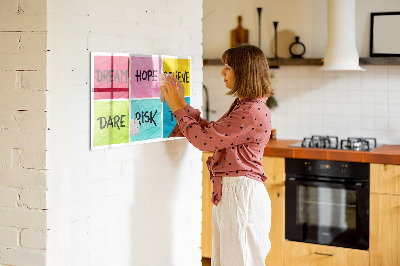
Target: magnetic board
<point x="126" y="102"/>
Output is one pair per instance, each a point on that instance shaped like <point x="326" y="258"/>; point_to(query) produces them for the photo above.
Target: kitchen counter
<point x="389" y="154"/>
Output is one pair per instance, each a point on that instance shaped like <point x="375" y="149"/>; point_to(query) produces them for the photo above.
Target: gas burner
<point x="327" y="142"/>
<point x="332" y="142"/>
<point x="358" y="144"/>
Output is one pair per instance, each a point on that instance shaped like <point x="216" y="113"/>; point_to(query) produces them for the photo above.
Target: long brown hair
<point x="250" y="66"/>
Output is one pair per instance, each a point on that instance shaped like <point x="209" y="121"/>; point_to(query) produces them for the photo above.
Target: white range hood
<point x="341" y="51"/>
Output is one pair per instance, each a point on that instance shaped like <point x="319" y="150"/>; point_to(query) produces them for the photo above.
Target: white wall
<point x="23" y="133"/>
<point x="311" y="102"/>
<point x="343" y="104"/>
<point x="135" y="205"/>
<point x="306" y="19"/>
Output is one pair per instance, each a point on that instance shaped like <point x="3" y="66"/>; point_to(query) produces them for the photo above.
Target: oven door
<point x="327" y="213"/>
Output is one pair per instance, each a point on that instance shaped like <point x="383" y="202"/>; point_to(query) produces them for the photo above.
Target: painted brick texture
<point x="109" y="207"/>
<point x="23" y="125"/>
<point x="135" y="205"/>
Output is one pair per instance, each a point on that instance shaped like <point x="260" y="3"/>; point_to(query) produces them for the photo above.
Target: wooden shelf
<point x="380" y="61"/>
<point x="274" y="63"/>
<point x="212" y="62"/>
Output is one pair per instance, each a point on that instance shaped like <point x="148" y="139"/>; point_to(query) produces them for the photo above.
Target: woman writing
<point x="242" y="209"/>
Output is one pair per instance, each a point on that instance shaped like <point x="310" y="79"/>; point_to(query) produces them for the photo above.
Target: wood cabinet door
<point x="206" y="225"/>
<point x="277" y="233"/>
<point x="384" y="236"/>
<point x="304" y="254"/>
<point x="274" y="168"/>
<point x="385" y="178"/>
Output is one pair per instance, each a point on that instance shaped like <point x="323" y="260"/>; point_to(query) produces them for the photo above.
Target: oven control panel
<point x="337" y="169"/>
<point x="325" y="167"/>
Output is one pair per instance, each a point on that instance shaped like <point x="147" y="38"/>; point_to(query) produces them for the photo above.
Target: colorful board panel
<point x="169" y="121"/>
<point x="125" y="91"/>
<point x="110" y="77"/>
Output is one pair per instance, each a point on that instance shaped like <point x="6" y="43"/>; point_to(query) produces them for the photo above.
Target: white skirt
<point x="241" y="223"/>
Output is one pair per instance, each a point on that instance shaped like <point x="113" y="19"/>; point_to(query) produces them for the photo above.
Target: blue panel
<point x="168" y="119"/>
<point x="146" y="114"/>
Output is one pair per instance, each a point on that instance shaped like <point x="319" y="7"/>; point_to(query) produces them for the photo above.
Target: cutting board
<point x="239" y="35"/>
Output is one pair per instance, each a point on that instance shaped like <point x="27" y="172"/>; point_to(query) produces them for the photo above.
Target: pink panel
<point x="104" y="95"/>
<point x="111" y="77"/>
<point x="144" y="74"/>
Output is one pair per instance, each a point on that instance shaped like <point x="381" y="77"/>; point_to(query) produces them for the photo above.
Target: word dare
<point x="116" y="121"/>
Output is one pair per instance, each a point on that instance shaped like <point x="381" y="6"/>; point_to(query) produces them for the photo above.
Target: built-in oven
<point x="327" y="202"/>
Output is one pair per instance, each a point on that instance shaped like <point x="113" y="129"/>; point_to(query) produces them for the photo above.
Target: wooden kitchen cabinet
<point x="274" y="168"/>
<point x="305" y="254"/>
<point x="385" y="215"/>
<point x="384" y="236"/>
<point x="385" y="178"/>
<point x="277" y="233"/>
<point x="206" y="225"/>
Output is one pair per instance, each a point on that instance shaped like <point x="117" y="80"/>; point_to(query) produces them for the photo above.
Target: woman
<point x="242" y="208"/>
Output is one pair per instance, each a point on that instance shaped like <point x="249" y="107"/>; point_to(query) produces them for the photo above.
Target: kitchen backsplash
<point x="314" y="102"/>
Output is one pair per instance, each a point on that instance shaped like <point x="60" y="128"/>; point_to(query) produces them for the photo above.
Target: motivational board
<point x="126" y="101"/>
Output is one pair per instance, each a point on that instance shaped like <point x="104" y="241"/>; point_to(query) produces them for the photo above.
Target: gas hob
<point x="332" y="142"/>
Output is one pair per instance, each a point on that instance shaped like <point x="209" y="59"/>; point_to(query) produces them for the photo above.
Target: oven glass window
<point x="327" y="207"/>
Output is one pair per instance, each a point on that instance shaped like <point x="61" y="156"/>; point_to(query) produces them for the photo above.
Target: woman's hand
<point x="173" y="91"/>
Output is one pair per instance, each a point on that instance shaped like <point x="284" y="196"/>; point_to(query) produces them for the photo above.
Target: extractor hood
<point x="341" y="51"/>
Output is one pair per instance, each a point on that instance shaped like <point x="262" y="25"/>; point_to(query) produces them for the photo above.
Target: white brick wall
<point x="9" y="237"/>
<point x="9" y="197"/>
<point x="24" y="256"/>
<point x="23" y="132"/>
<point x="33" y="239"/>
<point x="136" y="205"/>
<point x="109" y="207"/>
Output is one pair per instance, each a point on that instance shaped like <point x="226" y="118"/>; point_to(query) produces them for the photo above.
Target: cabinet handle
<point x="324" y="254"/>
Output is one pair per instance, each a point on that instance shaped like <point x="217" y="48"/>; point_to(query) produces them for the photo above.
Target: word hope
<point x="145" y="75"/>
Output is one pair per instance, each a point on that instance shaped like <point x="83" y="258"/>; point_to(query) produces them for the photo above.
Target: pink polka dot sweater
<point x="238" y="139"/>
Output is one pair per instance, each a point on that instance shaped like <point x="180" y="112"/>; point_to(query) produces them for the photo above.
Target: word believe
<point x="116" y="121"/>
<point x="181" y="76"/>
<point x="112" y="75"/>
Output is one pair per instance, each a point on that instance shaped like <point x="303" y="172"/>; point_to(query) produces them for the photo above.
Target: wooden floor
<point x="206" y="261"/>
